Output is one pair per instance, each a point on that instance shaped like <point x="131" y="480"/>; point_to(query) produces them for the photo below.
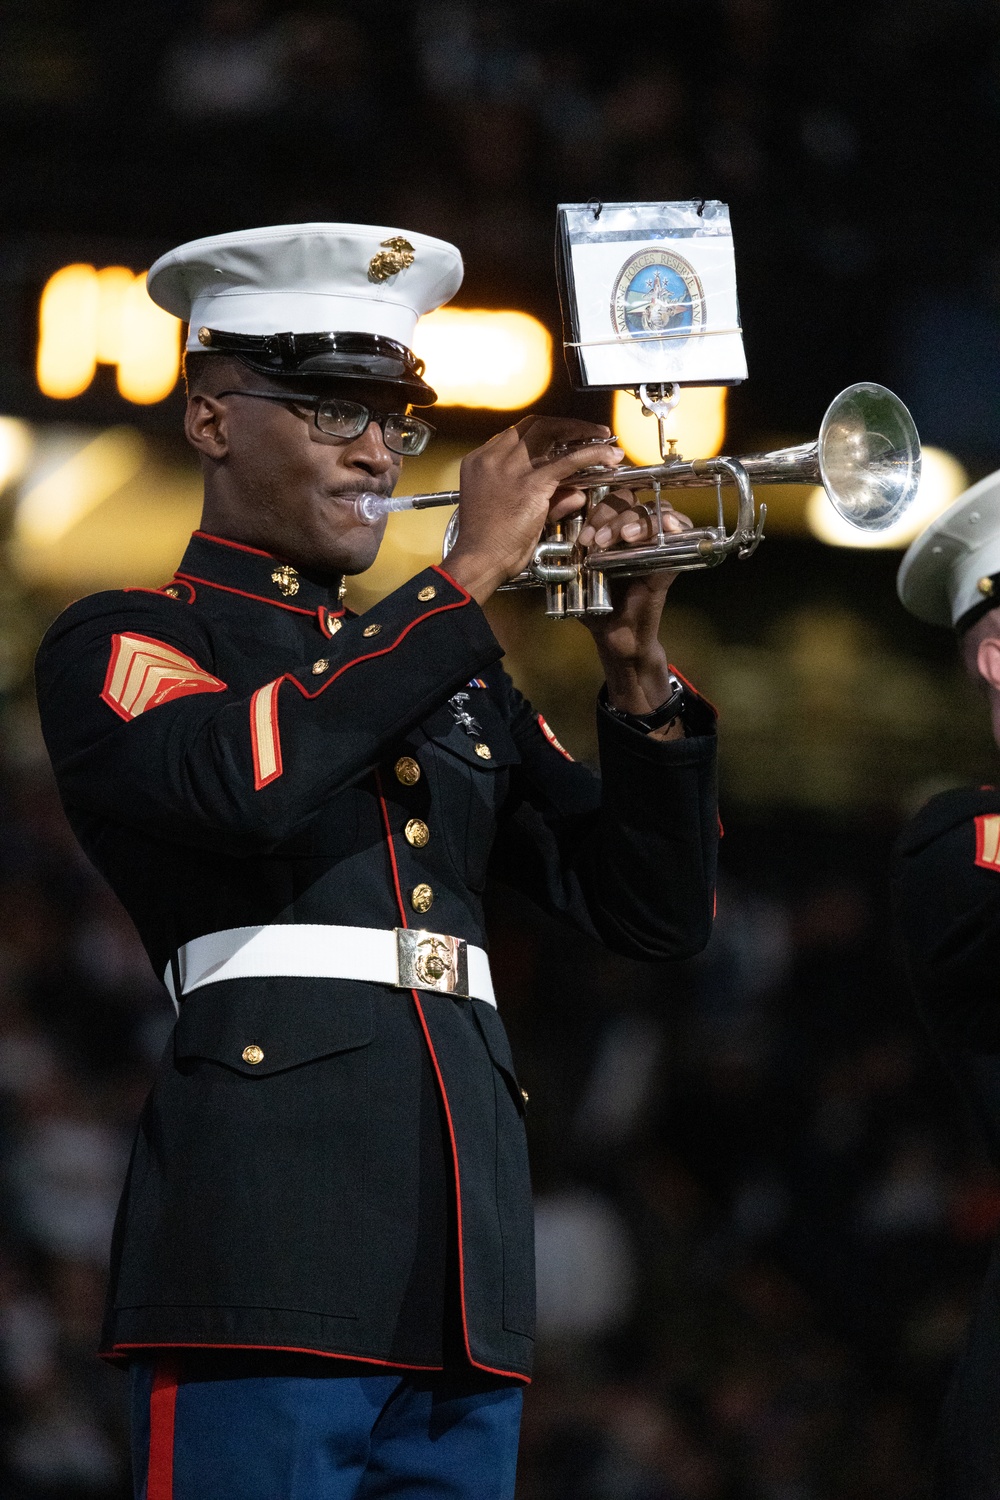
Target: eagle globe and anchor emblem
<point x="433" y="960"/>
<point x="657" y="293"/>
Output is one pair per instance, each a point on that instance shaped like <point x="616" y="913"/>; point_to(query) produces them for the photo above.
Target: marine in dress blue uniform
<point x="322" y="1273"/>
<point x="946" y="886"/>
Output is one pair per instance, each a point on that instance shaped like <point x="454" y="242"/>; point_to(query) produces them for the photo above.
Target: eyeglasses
<point x="347" y="420"/>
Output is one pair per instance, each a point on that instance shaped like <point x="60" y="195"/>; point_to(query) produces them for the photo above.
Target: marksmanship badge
<point x="657" y="296"/>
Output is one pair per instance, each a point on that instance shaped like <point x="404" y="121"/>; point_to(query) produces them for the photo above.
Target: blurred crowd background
<point x="761" y="1213"/>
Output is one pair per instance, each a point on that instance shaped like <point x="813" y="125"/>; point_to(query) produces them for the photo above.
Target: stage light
<point x="67" y="332"/>
<point x="77" y="485"/>
<point x="942" y="480"/>
<point x="113" y="286"/>
<point x="16" y="443"/>
<point x="698" y="422"/>
<point x="89" y="317"/>
<point x="149" y="353"/>
<point x="476" y="357"/>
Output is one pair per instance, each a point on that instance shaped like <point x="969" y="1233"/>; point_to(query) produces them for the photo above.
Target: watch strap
<point x="668" y="710"/>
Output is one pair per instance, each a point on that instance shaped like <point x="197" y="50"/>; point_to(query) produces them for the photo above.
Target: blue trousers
<point x="217" y="1431"/>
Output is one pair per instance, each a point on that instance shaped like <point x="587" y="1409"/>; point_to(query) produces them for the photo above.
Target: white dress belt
<point x="407" y="957"/>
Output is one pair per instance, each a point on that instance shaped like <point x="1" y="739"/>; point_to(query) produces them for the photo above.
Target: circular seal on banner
<point x="657" y="292"/>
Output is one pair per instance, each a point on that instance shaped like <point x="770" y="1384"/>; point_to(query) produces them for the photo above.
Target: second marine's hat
<point x="951" y="574"/>
<point x="338" y="300"/>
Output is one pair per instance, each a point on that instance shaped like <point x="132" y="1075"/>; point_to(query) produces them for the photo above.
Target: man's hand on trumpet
<point x="628" y="643"/>
<point x="512" y="487"/>
<point x="521" y="480"/>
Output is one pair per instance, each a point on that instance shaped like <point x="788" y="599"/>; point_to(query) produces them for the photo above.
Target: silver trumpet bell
<point x="867" y="458"/>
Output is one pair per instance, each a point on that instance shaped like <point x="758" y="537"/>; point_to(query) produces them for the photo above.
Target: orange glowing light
<point x="88" y="317"/>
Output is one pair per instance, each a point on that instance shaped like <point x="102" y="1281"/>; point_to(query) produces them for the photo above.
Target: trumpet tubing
<point x="867" y="458"/>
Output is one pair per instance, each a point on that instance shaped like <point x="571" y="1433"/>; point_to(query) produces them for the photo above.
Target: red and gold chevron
<point x="988" y="841"/>
<point x="143" y="673"/>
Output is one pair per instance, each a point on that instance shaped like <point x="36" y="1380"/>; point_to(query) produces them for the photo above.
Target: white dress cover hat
<point x="310" y="299"/>
<point x="951" y="574"/>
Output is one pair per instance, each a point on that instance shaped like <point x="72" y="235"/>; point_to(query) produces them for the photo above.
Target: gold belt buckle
<point x="432" y="961"/>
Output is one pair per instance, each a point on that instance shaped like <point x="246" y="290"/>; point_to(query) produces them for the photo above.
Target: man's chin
<point x="352" y="552"/>
<point x="333" y="543"/>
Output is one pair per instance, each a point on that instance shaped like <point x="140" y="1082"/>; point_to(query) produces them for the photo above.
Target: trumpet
<point x="866" y="457"/>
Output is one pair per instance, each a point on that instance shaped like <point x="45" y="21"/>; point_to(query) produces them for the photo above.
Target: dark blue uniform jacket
<point x="234" y="750"/>
<point x="946" y="889"/>
<point x="946" y="882"/>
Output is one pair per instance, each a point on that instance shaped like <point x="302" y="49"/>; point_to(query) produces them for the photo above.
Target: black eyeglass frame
<point x="313" y="404"/>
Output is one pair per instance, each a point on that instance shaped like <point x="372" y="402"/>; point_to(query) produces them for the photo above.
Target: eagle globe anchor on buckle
<point x="432" y="961"/>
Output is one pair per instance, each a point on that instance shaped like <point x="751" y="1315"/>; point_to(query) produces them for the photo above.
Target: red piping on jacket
<point x="370" y="655"/>
<point x="325" y="616"/>
<point x="362" y="1359"/>
<point x="226" y="589"/>
<point x="262" y="780"/>
<point x="162" y="1409"/>
<point x="392" y="849"/>
<point x="454" y="583"/>
<point x="490" y="1369"/>
<point x="162" y="590"/>
<point x="224" y="541"/>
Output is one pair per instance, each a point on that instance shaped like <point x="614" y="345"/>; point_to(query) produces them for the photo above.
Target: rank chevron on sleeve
<point x="988" y="842"/>
<point x="144" y="673"/>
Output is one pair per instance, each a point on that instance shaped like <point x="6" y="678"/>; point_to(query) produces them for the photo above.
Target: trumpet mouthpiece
<point x="370" y="508"/>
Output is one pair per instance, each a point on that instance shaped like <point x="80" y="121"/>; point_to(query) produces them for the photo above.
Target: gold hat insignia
<point x="396" y="255"/>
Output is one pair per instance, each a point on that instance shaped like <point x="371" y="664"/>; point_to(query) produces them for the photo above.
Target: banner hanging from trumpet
<point x="648" y="294"/>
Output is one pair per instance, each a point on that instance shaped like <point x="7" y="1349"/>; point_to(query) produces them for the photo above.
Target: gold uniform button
<point x="172" y="593"/>
<point x="253" y="1054"/>
<point x="205" y="337"/>
<point x="320" y="666"/>
<point x="371" y="630"/>
<point x="417" y="832"/>
<point x="524" y="1095"/>
<point x="483" y="751"/>
<point x="421" y="898"/>
<point x="985" y="586"/>
<point x="430" y="592"/>
<point x="407" y="770"/>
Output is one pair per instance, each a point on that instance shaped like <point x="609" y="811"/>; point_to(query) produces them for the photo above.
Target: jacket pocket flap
<point x="492" y="749"/>
<point x="273" y="1024"/>
<point x="498" y="1047"/>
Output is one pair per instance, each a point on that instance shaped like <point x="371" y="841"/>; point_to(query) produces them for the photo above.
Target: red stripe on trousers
<point x="162" y="1406"/>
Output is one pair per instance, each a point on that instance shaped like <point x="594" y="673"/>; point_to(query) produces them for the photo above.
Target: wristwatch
<point x="657" y="717"/>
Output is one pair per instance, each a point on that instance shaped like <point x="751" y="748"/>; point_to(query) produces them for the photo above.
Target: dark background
<point x="761" y="1214"/>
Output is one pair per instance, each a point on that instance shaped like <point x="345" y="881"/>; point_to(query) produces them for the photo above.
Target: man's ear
<point x="205" y="426"/>
<point x="988" y="661"/>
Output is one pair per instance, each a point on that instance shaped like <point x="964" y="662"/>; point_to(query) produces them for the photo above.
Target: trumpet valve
<point x="576" y="601"/>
